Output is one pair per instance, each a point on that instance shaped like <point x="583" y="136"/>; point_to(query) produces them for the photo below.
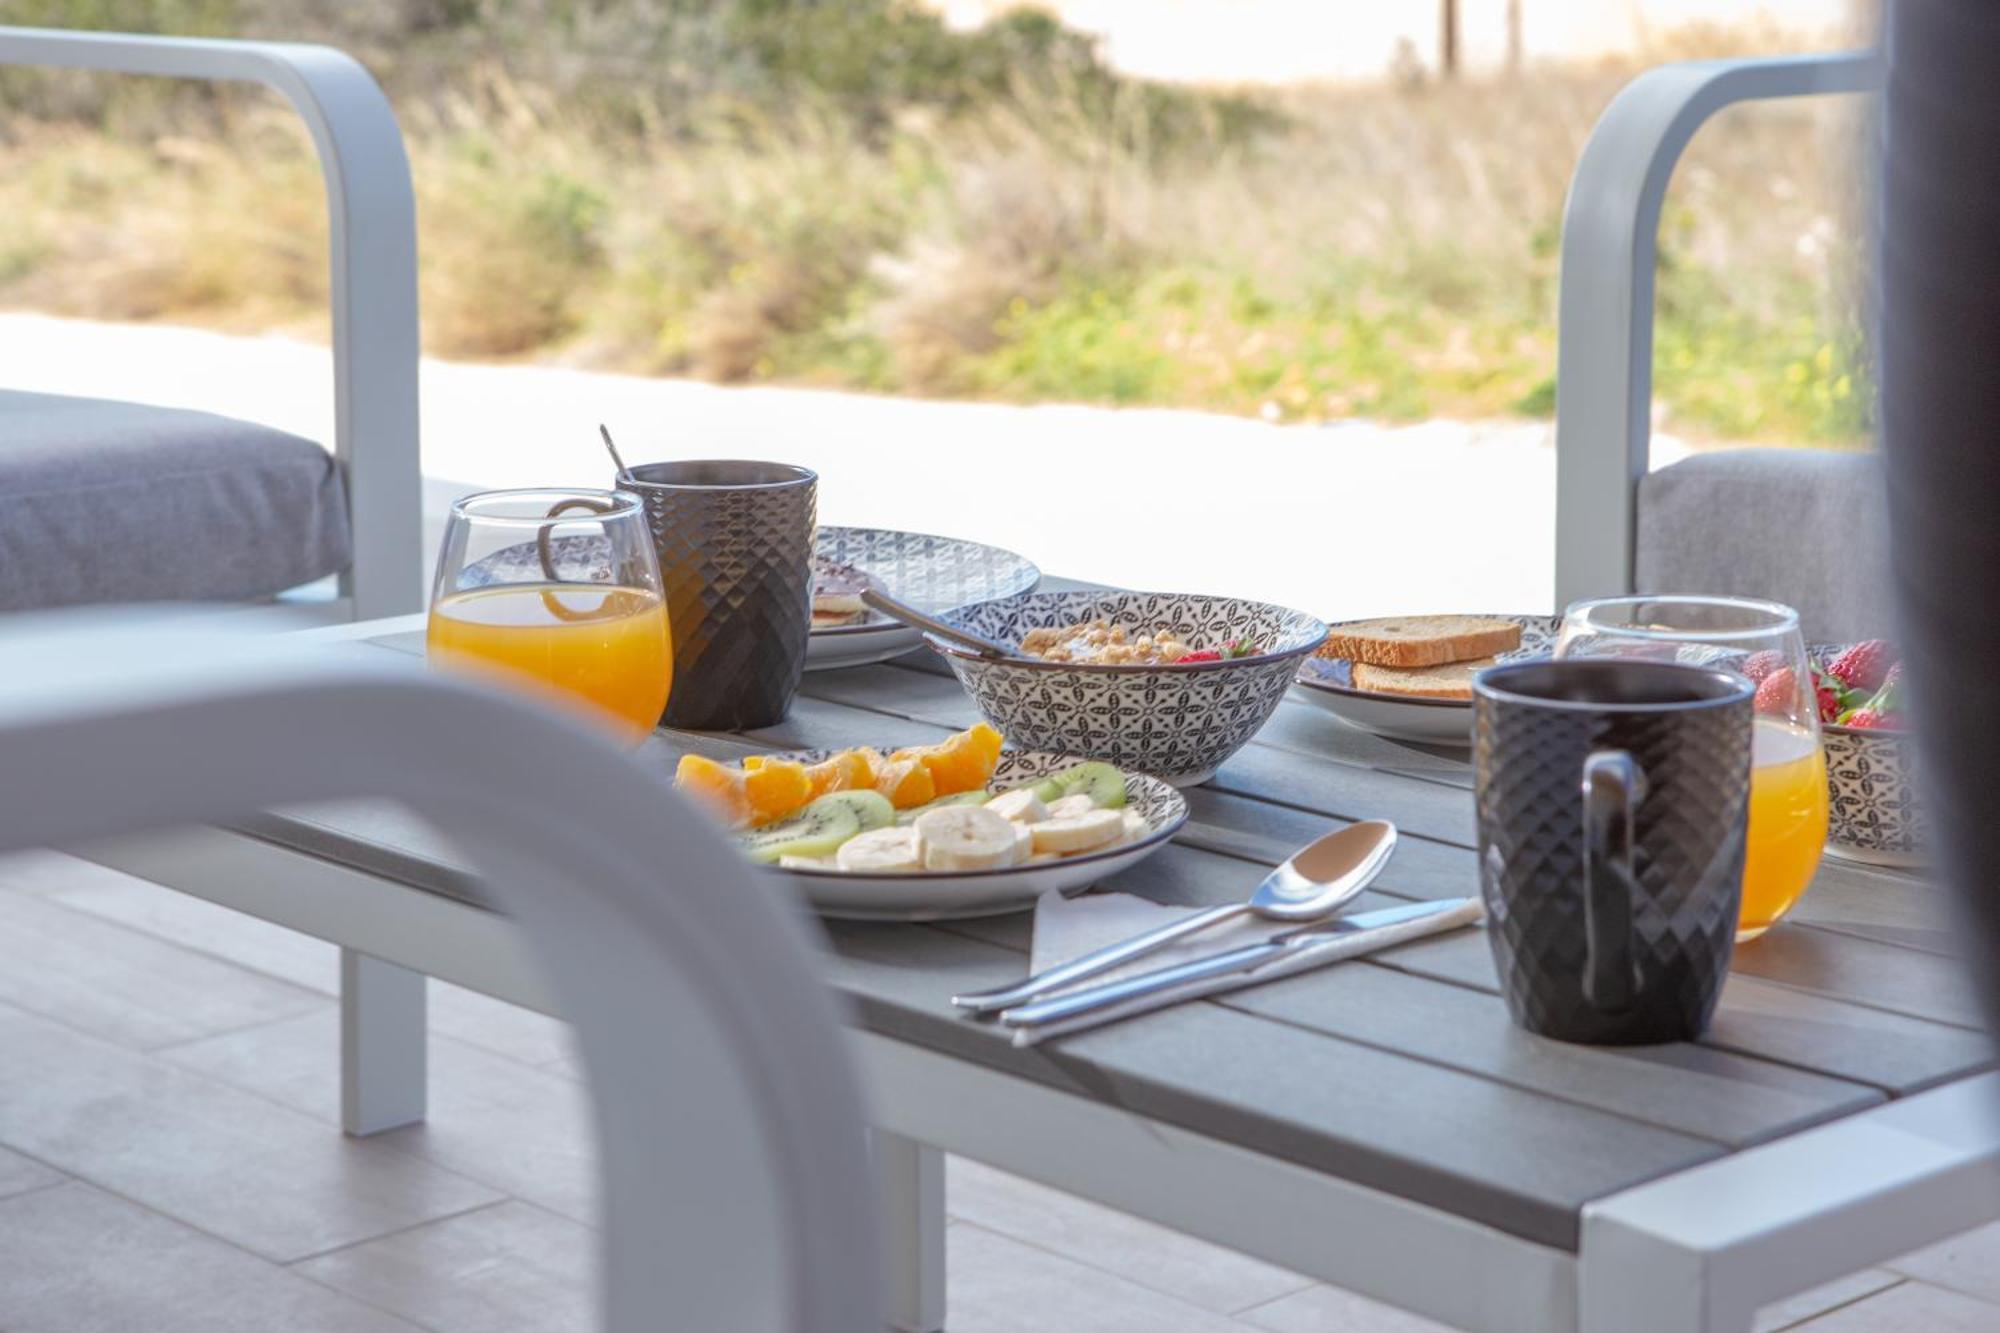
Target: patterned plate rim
<point x="1155" y="838"/>
<point x="1390" y="696"/>
<point x="876" y="622"/>
<point x="1312" y="640"/>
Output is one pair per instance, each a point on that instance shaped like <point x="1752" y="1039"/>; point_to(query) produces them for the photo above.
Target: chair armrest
<point x="1611" y="227"/>
<point x="372" y="229"/>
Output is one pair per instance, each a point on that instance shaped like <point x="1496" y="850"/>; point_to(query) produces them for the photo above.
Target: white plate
<point x="1327" y="683"/>
<point x="933" y="574"/>
<point x="934" y="895"/>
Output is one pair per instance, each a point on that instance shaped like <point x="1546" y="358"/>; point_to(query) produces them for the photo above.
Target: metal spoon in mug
<point x="915" y="619"/>
<point x="616" y="461"/>
<point x="1316" y="882"/>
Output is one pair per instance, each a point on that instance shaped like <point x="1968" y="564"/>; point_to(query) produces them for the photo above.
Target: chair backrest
<point x="731" y="1141"/>
<point x="1604" y="370"/>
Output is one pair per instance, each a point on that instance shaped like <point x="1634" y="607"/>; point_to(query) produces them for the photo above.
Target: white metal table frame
<point x="1699" y="1250"/>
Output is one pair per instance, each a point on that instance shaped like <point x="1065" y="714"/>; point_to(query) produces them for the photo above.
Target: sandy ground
<point x="1351" y="519"/>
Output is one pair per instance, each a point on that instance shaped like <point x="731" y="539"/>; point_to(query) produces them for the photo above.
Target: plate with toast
<point x="933" y="574"/>
<point x="1410" y="677"/>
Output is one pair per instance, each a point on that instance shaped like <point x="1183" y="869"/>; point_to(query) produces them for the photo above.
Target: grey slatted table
<point x="1378" y="1125"/>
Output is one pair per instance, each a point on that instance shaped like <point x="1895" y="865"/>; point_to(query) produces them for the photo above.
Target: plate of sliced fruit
<point x="959" y="829"/>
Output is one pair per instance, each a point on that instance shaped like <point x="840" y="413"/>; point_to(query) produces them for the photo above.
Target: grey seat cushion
<point x="106" y="501"/>
<point x="1807" y="527"/>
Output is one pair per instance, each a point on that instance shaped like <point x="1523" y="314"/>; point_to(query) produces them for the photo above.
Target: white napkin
<point x="1067" y="928"/>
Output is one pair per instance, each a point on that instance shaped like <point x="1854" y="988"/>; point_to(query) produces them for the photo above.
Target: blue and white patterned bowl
<point x="1176" y="722"/>
<point x="1873" y="815"/>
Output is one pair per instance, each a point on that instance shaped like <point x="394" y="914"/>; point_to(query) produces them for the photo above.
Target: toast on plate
<point x="1420" y="641"/>
<point x="1452" y="680"/>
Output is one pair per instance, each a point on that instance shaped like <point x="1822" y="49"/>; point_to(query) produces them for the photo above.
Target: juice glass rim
<point x="1782" y="619"/>
<point x="622" y="504"/>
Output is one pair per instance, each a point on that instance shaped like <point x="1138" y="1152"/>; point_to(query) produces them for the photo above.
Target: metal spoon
<point x="1317" y="881"/>
<point x="915" y="619"/>
<point x="616" y="461"/>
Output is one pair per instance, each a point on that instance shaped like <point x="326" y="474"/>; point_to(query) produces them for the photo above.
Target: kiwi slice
<point x="1045" y="790"/>
<point x="958" y="798"/>
<point x="817" y="830"/>
<point x="1101" y="782"/>
<point x="872" y="808"/>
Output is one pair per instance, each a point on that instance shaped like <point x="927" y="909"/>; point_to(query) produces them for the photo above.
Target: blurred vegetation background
<point x="848" y="193"/>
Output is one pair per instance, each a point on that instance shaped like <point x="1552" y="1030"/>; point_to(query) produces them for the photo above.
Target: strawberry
<point x="1777" y="693"/>
<point x="1760" y="665"/>
<point x="1826" y="691"/>
<point x="1205" y="655"/>
<point x="1867" y="719"/>
<point x="1864" y="666"/>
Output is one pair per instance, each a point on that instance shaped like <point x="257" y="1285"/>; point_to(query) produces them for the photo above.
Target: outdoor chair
<point x="1807" y="527"/>
<point x="736" y="1194"/>
<point x="105" y="501"/>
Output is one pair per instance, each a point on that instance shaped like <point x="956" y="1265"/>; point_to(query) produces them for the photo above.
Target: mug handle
<point x="1613" y="786"/>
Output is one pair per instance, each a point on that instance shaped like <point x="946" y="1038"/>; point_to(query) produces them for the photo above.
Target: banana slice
<point x="1069" y="807"/>
<point x="807" y="863"/>
<point x="1068" y="835"/>
<point x="882" y="851"/>
<point x="965" y="837"/>
<point x="1024" y="843"/>
<point x="1021" y="805"/>
<point x="1136" y="825"/>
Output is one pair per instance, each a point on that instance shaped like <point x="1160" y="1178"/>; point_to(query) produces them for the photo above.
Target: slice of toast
<point x="1452" y="680"/>
<point x="1421" y="641"/>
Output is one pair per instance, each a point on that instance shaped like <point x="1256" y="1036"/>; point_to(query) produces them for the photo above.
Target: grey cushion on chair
<point x="1807" y="527"/>
<point x="112" y="502"/>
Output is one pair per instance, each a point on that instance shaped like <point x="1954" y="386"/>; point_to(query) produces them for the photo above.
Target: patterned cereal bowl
<point x="1177" y="722"/>
<point x="1874" y="815"/>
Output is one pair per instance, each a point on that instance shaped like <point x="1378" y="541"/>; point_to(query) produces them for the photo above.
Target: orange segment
<point x="906" y="783"/>
<point x="775" y="788"/>
<point x="841" y="772"/>
<point x="964" y="762"/>
<point x="716" y="786"/>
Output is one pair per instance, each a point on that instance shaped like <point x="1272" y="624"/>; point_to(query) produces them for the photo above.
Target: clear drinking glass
<point x="557" y="592"/>
<point x="1759" y="640"/>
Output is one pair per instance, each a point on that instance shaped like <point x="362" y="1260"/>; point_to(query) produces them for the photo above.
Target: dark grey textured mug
<point x="735" y="541"/>
<point x="1613" y="798"/>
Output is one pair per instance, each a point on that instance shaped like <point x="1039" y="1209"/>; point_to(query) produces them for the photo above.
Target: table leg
<point x="910" y="1176"/>
<point x="383" y="1055"/>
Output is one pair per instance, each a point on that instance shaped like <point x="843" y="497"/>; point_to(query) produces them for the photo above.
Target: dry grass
<point x="1388" y="252"/>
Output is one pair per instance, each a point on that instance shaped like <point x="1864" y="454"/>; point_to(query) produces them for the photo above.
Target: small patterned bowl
<point x="1871" y="779"/>
<point x="1175" y="722"/>
<point x="1872" y="815"/>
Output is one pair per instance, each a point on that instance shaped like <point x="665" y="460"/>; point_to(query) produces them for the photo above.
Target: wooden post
<point x="1448" y="39"/>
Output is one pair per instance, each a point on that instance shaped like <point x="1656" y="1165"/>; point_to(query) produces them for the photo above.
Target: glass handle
<point x="1613" y="786"/>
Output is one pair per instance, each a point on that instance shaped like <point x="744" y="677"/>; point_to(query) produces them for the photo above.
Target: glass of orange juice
<point x="557" y="593"/>
<point x="1759" y="640"/>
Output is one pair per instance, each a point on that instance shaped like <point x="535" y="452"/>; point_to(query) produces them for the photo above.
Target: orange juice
<point x="606" y="646"/>
<point x="1787" y="822"/>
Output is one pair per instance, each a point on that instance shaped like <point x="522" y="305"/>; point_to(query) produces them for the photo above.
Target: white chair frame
<point x="1611" y="229"/>
<point x="736" y="1189"/>
<point x="371" y="214"/>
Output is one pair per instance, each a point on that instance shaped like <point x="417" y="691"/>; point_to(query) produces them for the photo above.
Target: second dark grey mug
<point x="735" y="541"/>
<point x="1613" y="799"/>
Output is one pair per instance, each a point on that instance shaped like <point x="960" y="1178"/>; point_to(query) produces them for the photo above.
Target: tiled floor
<point x="169" y="1162"/>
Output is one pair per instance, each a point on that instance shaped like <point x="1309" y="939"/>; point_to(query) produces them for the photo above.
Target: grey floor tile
<point x="1969" y="1263"/>
<point x="1153" y="1256"/>
<point x="208" y="928"/>
<point x="236" y="1165"/>
<point x="511" y="1268"/>
<point x="998" y="1285"/>
<point x="1910" y="1307"/>
<point x="524" y="1131"/>
<point x="125" y="986"/>
<point x="1323" y="1309"/>
<point x="1795" y="1310"/>
<point x="502" y="1028"/>
<point x="20" y="1174"/>
<point x="77" y="1260"/>
<point x="48" y="873"/>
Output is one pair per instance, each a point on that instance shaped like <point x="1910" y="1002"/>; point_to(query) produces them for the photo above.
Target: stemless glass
<point x="556" y="592"/>
<point x="1760" y="640"/>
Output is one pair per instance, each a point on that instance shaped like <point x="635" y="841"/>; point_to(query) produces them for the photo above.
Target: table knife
<point x="1281" y="956"/>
